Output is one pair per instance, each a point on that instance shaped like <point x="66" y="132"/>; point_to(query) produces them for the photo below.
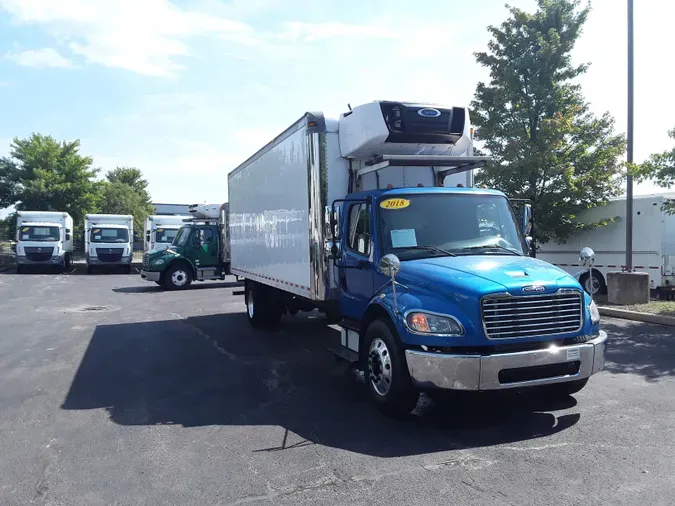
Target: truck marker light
<point x="394" y="204"/>
<point x="419" y="322"/>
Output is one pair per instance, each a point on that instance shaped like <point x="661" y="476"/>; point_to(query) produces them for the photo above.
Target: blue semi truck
<point x="372" y="218"/>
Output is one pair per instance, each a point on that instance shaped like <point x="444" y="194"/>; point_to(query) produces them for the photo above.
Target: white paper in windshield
<point x="404" y="238"/>
<point x="25" y="236"/>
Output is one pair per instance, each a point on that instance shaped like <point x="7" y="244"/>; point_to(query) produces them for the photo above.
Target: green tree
<point x="661" y="168"/>
<point x="132" y="177"/>
<point x="120" y="198"/>
<point x="42" y="174"/>
<point x="533" y="120"/>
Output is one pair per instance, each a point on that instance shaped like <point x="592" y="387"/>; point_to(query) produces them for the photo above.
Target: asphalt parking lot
<point x="114" y="392"/>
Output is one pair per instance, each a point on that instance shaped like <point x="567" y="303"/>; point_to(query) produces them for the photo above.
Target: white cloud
<point x="45" y="57"/>
<point x="144" y="36"/>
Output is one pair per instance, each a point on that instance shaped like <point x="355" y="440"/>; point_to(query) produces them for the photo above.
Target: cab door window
<point x="359" y="229"/>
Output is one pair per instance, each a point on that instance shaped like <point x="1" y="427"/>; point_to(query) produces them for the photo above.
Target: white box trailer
<point x="108" y="240"/>
<point x="653" y="243"/>
<point x="278" y="197"/>
<point x="43" y="238"/>
<point x="160" y="231"/>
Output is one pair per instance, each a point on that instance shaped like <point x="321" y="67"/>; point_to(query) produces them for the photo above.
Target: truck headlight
<point x="159" y="261"/>
<point x="429" y="323"/>
<point x="594" y="312"/>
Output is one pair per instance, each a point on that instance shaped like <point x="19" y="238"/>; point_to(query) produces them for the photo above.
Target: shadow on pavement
<point x="216" y="370"/>
<point x="649" y="353"/>
<point x="197" y="285"/>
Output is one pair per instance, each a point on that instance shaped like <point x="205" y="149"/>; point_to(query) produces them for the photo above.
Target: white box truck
<point x="43" y="238"/>
<point x="160" y="230"/>
<point x="108" y="240"/>
<point x="653" y="244"/>
<point x="432" y="284"/>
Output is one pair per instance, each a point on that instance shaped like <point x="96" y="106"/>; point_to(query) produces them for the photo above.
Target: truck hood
<point x="482" y="274"/>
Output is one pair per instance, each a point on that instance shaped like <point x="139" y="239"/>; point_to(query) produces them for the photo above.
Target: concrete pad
<point x="625" y="288"/>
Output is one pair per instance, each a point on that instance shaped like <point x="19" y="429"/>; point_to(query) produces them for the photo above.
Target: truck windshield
<point x="99" y="234"/>
<point x="424" y="225"/>
<point x="39" y="233"/>
<point x="165" y="234"/>
<point x="182" y="236"/>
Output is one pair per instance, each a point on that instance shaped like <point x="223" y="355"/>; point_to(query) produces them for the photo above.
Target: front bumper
<point x="97" y="261"/>
<point x="151" y="275"/>
<point x="54" y="260"/>
<point x="507" y="370"/>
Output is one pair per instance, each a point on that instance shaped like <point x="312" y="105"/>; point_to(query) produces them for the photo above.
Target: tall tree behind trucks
<point x="547" y="145"/>
<point x="661" y="168"/>
<point x="125" y="192"/>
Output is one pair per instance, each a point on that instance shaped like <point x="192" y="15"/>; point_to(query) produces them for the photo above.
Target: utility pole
<point x="629" y="145"/>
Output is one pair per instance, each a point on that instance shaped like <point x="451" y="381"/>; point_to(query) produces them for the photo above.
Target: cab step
<point x="345" y="354"/>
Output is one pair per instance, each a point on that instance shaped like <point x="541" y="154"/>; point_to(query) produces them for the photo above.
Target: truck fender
<point x="376" y="311"/>
<point x="181" y="260"/>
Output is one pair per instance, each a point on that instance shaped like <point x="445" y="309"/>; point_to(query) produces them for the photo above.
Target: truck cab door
<point x="206" y="247"/>
<point x="356" y="270"/>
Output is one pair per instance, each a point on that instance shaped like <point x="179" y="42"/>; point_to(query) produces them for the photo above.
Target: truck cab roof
<point x="426" y="190"/>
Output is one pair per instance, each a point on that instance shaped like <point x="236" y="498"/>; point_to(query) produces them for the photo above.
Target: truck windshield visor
<point x="38" y="233"/>
<point x="165" y="235"/>
<point x="117" y="235"/>
<point x="424" y="225"/>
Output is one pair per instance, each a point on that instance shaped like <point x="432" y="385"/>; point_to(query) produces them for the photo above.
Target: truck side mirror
<point x="67" y="235"/>
<point x="390" y="265"/>
<point x="527" y="220"/>
<point x="147" y="236"/>
<point x="333" y="221"/>
<point x="587" y="256"/>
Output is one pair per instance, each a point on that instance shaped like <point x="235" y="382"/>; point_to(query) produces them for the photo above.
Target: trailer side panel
<point x="269" y="198"/>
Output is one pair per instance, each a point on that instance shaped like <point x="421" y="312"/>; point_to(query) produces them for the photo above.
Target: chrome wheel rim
<point x="179" y="277"/>
<point x="250" y="304"/>
<point x="592" y="285"/>
<point x="379" y="366"/>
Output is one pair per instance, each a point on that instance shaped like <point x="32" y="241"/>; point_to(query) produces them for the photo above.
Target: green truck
<point x="199" y="252"/>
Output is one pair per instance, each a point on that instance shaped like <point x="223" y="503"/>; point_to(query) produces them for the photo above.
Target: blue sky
<point x="187" y="89"/>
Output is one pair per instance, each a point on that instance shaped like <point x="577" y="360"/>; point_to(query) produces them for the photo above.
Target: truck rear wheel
<point x="262" y="310"/>
<point x="386" y="372"/>
<point x="177" y="277"/>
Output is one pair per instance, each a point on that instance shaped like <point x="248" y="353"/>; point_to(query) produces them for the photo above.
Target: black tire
<point x="262" y="308"/>
<point x="20" y="269"/>
<point x="598" y="281"/>
<point x="177" y="277"/>
<point x="90" y="269"/>
<point x="565" y="389"/>
<point x="130" y="269"/>
<point x="68" y="261"/>
<point x="393" y="391"/>
<point x="159" y="283"/>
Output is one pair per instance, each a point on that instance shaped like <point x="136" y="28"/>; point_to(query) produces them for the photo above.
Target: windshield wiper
<point x="494" y="246"/>
<point x="429" y="248"/>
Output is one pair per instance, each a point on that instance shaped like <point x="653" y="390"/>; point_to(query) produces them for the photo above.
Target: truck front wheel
<point x="386" y="371"/>
<point x="262" y="310"/>
<point x="177" y="277"/>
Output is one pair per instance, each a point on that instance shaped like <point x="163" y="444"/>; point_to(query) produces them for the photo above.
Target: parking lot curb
<point x="636" y="316"/>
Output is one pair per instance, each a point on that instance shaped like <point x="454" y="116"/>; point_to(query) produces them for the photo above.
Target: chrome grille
<point x="146" y="261"/>
<point x="510" y="317"/>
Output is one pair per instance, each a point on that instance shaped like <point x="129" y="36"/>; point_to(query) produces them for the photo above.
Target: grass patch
<point x="660" y="307"/>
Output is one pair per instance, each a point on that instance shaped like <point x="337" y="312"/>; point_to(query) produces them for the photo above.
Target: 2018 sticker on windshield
<point x="394" y="204"/>
<point x="25" y="229"/>
<point x="97" y="230"/>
